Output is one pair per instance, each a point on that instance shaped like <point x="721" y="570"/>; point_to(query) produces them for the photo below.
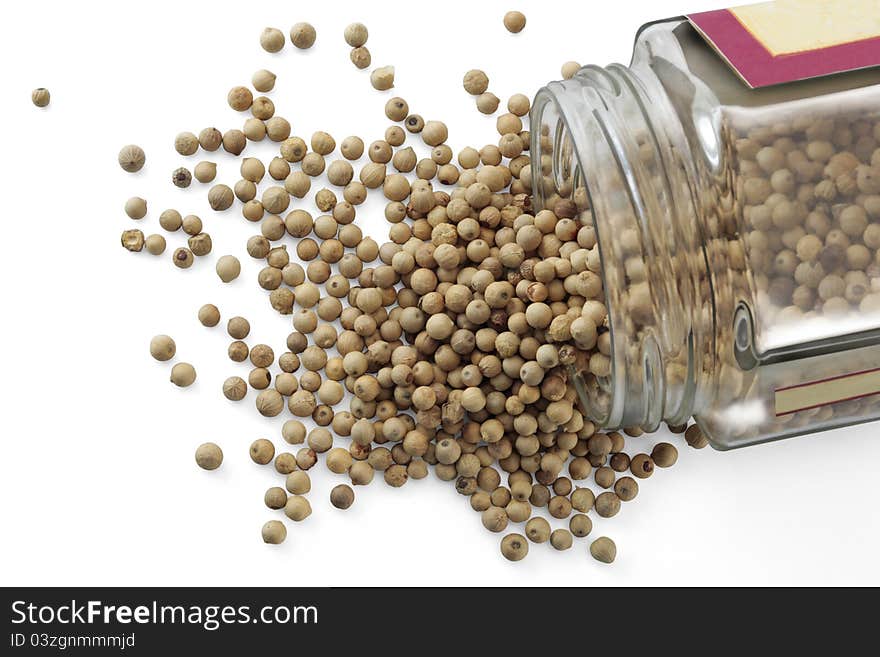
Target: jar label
<point x="806" y="396"/>
<point x="788" y="40"/>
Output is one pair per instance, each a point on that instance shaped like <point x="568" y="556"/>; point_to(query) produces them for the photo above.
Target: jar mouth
<point x="559" y="174"/>
<point x="593" y="142"/>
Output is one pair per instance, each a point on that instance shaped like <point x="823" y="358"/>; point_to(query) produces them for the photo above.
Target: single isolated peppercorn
<point x="514" y="547"/>
<point x="356" y="34"/>
<point x="514" y="21"/>
<point x="132" y="158"/>
<point x="272" y="39"/>
<point x="274" y="532"/>
<point x="263" y="80"/>
<point x="209" y="315"/>
<point x="40" y="97"/>
<point x="361" y="57"/>
<point x="209" y="456"/>
<point x="382" y="78"/>
<point x="228" y="268"/>
<point x="342" y="496"/>
<point x="275" y="498"/>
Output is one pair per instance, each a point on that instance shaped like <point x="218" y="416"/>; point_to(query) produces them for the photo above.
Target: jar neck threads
<point x="609" y="139"/>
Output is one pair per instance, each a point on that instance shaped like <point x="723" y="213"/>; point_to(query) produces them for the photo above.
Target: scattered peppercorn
<point x="580" y="525"/>
<point x="209" y="456"/>
<point x="272" y="39"/>
<point x="228" y="268"/>
<point x="695" y="437"/>
<point x="342" y="496"/>
<point x="238" y="328"/>
<point x="642" y="466"/>
<point x="487" y="102"/>
<point x="205" y="172"/>
<point x="356" y="35"/>
<point x="263" y="80"/>
<point x="162" y="348"/>
<point x="262" y="451"/>
<point x="183" y="375"/>
<point x="181" y="177"/>
<point x="274" y="532"/>
<point x="607" y="504"/>
<point x="382" y="78"/>
<point x="475" y="82"/>
<point x="361" y="57"/>
<point x="132" y="158"/>
<point x="538" y="530"/>
<point x="40" y="97"/>
<point x="155" y="244"/>
<point x="133" y="240"/>
<point x="209" y="315"/>
<point x="514" y="547"/>
<point x="514" y="21"/>
<point x="303" y="35"/>
<point x="561" y="539"/>
<point x="234" y="388"/>
<point x="136" y="207"/>
<point x="569" y="69"/>
<point x="664" y="455"/>
<point x="603" y="549"/>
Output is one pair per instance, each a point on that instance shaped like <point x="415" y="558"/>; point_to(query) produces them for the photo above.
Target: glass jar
<point x="738" y="239"/>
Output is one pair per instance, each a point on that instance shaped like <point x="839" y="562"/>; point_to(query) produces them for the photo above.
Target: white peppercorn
<point x="155" y="244"/>
<point x="272" y="39"/>
<point x="514" y="21"/>
<point x="136" y="207"/>
<point x="361" y="57"/>
<point x="132" y="158"/>
<point x="303" y="35"/>
<point x="183" y="375"/>
<point x="356" y="34"/>
<point x="40" y="97"/>
<point x="263" y="80"/>
<point x="382" y="78"/>
<point x="209" y="456"/>
<point x="228" y="268"/>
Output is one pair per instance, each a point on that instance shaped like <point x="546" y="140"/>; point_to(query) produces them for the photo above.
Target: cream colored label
<point x="790" y="26"/>
<point x="829" y="391"/>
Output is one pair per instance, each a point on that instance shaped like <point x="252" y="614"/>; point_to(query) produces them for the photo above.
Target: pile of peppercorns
<point x="454" y="342"/>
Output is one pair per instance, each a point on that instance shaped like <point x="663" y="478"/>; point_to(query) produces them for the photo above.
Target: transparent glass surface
<point x="738" y="238"/>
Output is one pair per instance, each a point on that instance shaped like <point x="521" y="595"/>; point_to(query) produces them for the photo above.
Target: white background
<point x="97" y="480"/>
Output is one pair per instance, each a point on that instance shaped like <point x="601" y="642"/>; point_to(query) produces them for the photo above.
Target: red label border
<point x="760" y="68"/>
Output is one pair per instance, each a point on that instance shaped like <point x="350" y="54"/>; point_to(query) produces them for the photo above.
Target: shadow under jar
<point x="737" y="233"/>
